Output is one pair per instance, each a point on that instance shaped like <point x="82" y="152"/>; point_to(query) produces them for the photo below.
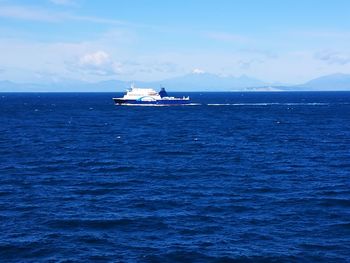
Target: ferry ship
<point x="141" y="96"/>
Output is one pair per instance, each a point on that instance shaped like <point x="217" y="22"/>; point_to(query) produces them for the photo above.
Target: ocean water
<point x="243" y="177"/>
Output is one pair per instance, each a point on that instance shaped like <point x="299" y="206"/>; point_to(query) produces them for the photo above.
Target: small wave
<point x="342" y="226"/>
<point x="92" y="239"/>
<point x="5" y="193"/>
<point x="329" y="202"/>
<point x="15" y="252"/>
<point x="88" y="223"/>
<point x="174" y="153"/>
<point x="193" y="256"/>
<point x="95" y="192"/>
<point x="153" y="223"/>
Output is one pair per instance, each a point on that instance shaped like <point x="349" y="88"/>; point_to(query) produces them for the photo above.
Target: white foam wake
<point x="269" y="104"/>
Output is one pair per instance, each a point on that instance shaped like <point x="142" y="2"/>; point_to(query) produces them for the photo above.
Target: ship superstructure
<point x="147" y="96"/>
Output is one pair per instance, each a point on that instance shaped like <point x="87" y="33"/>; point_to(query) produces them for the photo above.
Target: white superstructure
<point x="144" y="94"/>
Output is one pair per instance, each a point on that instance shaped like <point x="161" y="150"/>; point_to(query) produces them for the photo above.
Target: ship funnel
<point x="163" y="93"/>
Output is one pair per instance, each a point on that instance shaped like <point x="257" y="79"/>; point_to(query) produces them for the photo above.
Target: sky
<point x="289" y="41"/>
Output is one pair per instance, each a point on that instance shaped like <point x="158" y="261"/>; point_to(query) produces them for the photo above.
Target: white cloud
<point x="333" y="57"/>
<point x="198" y="71"/>
<point x="90" y="60"/>
<point x="28" y="13"/>
<point x="96" y="59"/>
<point x="99" y="63"/>
<point x="321" y="34"/>
<point x="246" y="64"/>
<point x="97" y="20"/>
<point x="226" y="37"/>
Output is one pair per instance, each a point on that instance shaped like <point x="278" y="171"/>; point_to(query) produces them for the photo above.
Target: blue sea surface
<point x="243" y="177"/>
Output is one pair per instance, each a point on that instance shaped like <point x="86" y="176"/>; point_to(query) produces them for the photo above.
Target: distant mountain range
<point x="189" y="82"/>
<point x="329" y="82"/>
